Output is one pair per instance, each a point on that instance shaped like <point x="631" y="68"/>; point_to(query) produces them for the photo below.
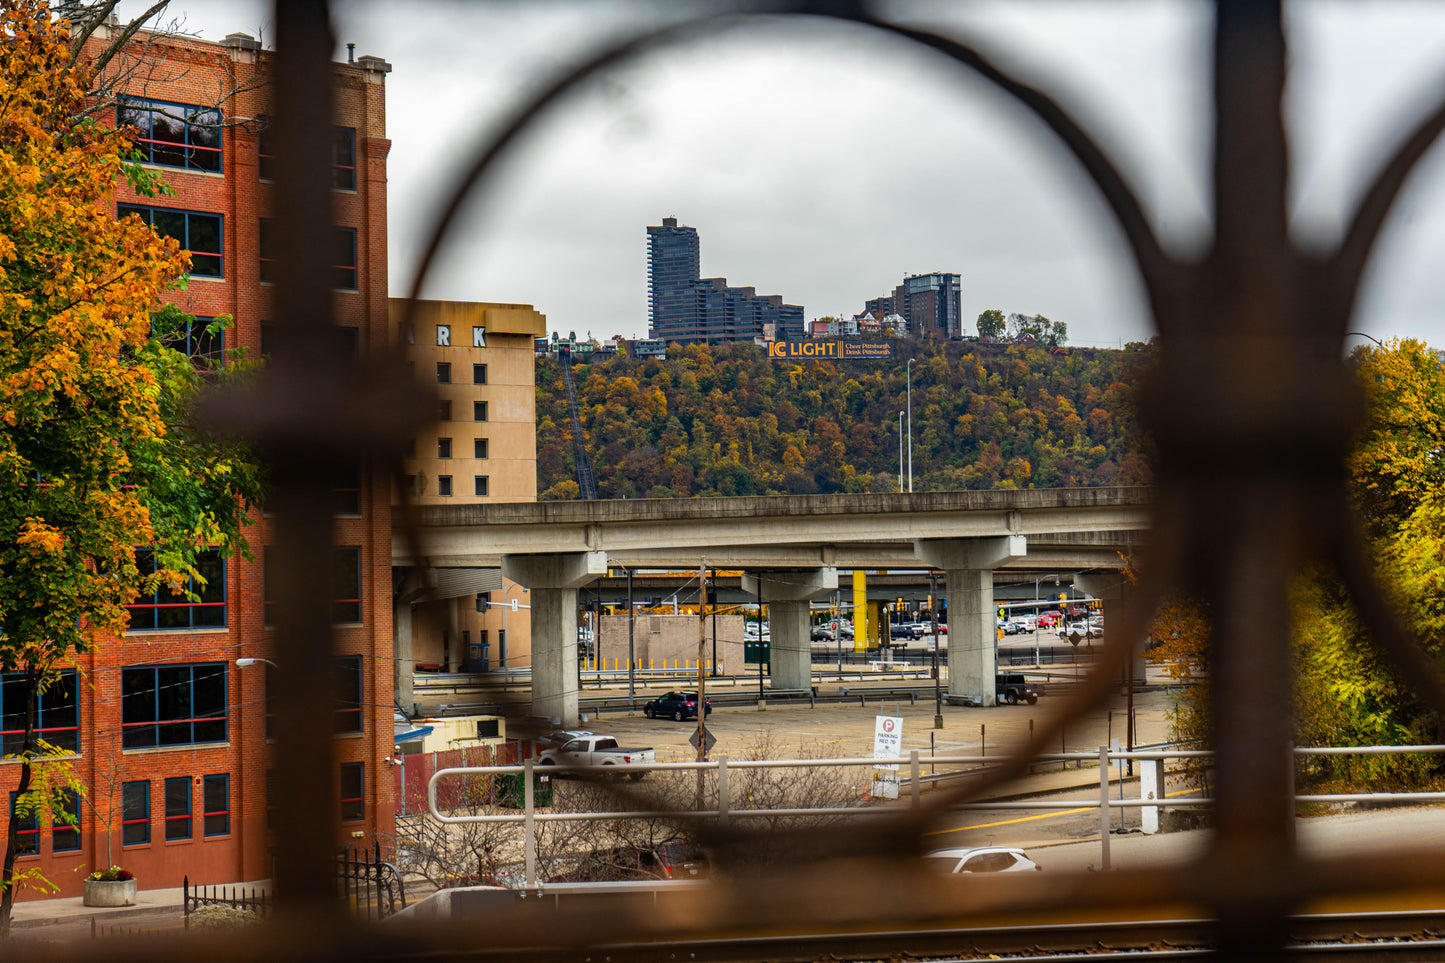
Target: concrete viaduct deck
<point x="791" y="546"/>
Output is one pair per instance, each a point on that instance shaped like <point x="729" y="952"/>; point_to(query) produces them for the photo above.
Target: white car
<point x="1080" y="627"/>
<point x="986" y="859"/>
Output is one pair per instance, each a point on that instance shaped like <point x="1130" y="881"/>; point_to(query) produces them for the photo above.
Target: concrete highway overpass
<point x="791" y="547"/>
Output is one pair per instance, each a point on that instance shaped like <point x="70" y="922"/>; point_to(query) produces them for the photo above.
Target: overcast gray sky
<point x="823" y="162"/>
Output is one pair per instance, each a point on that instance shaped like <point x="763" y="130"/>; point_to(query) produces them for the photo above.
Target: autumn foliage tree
<point x="728" y="420"/>
<point x="1345" y="695"/>
<point x="96" y="457"/>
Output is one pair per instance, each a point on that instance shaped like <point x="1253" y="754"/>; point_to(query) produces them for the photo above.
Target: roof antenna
<point x="351" y="53"/>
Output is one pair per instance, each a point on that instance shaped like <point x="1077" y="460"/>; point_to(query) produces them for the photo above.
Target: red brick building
<point x="169" y="733"/>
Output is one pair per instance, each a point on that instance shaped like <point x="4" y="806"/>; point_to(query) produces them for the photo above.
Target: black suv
<point x="1012" y="688"/>
<point x="679" y="705"/>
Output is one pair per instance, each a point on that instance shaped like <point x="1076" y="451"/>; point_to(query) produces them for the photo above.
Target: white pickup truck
<point x="594" y="750"/>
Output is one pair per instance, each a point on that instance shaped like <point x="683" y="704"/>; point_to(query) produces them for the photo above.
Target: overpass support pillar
<point x="1109" y="587"/>
<point x="787" y="595"/>
<point x="403" y="664"/>
<point x="968" y="565"/>
<point x="554" y="581"/>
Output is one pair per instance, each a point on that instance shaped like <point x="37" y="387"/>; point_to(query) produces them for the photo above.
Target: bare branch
<point x="92" y="23"/>
<point x="130" y="31"/>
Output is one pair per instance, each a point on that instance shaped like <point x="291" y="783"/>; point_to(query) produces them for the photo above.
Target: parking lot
<point x="847" y="730"/>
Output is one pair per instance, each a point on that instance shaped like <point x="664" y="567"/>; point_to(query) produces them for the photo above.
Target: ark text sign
<point x="831" y="350"/>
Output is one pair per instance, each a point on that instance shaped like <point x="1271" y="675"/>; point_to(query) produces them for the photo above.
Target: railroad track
<point x="1395" y="936"/>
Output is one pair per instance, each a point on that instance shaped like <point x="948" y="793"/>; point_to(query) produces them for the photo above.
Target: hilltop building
<point x="165" y="713"/>
<point x="927" y="303"/>
<point x="687" y="308"/>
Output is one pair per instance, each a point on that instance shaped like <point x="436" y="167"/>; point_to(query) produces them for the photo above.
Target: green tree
<point x="1038" y="328"/>
<point x="991" y="324"/>
<point x="96" y="453"/>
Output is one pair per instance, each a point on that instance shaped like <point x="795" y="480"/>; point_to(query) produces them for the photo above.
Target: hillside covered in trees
<point x="728" y="420"/>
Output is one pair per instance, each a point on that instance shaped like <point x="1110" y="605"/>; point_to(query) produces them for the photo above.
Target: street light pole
<point x="900" y="452"/>
<point x="909" y="368"/>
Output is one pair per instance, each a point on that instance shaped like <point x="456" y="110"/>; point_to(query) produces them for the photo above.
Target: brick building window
<point x="65" y="823"/>
<point x="481" y="483"/>
<point x="479" y="448"/>
<point x="353" y="791"/>
<point x="343" y="258"/>
<point x="444" y="448"/>
<point x="27" y="829"/>
<point x="346" y="489"/>
<point x="197" y="232"/>
<point x="343" y="158"/>
<point x="173" y="135"/>
<point x="57" y="710"/>
<point x="178" y="807"/>
<point x="444" y="485"/>
<point x="195" y="340"/>
<point x="479" y="411"/>
<point x="271" y="796"/>
<point x="346" y="584"/>
<point x="135" y="813"/>
<point x="350" y="714"/>
<point x="172" y="705"/>
<point x="444" y="373"/>
<point x="479" y="374"/>
<point x="444" y="410"/>
<point x="216" y="805"/>
<point x="161" y="610"/>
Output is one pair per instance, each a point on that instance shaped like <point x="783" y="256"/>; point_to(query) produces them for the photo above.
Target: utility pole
<point x="701" y="670"/>
<point x="937" y="680"/>
<point x="701" y="675"/>
<point x="760" y="640"/>
<point x="631" y="650"/>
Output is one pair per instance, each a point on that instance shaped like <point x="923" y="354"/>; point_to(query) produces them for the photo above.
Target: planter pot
<point x="103" y="892"/>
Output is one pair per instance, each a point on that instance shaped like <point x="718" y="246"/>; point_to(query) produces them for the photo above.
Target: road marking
<point x="1026" y="819"/>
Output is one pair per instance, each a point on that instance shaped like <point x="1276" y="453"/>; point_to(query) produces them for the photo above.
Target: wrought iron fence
<point x="1250" y="411"/>
<point x="252" y="899"/>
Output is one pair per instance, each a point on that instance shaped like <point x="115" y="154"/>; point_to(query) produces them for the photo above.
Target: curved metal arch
<point x="1157" y="268"/>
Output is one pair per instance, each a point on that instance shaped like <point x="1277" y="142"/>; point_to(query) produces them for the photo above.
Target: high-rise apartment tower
<point x="688" y="308"/>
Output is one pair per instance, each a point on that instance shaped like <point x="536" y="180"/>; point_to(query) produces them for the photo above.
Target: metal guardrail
<point x="723" y="811"/>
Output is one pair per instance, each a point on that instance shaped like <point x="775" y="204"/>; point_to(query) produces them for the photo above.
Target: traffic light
<point x="1096" y="604"/>
<point x="484" y="601"/>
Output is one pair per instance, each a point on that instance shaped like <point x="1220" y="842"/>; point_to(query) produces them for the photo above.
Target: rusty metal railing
<point x="1250" y="409"/>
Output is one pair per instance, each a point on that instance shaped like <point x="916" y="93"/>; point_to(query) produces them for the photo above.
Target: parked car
<point x="678" y="705"/>
<point x="987" y="859"/>
<point x="902" y="630"/>
<point x="594" y="750"/>
<point x="1011" y="688"/>
<point x="670" y="860"/>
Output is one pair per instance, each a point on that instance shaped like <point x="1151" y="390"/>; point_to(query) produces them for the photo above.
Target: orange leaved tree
<point x="95" y="455"/>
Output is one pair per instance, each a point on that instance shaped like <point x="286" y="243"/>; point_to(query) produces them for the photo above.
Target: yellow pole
<point x="860" y="611"/>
